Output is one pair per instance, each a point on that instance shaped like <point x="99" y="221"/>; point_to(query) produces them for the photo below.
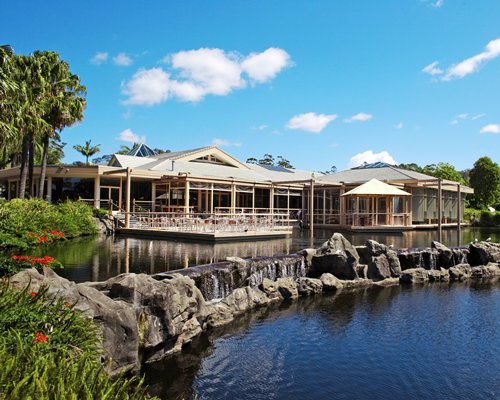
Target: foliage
<point x="441" y="170"/>
<point x="99" y="212"/>
<point x="87" y="150"/>
<point x="489" y="219"/>
<point x="485" y="179"/>
<point x="25" y="223"/>
<point x="268" y="159"/>
<point x="14" y="264"/>
<point x="49" y="351"/>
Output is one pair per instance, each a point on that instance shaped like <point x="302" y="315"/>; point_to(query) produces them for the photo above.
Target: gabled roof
<point x="375" y="187"/>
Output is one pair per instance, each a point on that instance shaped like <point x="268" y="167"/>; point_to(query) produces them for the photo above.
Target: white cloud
<point x="224" y="143"/>
<point x="359" y="117"/>
<point x="262" y="67"/>
<point x="432" y="69"/>
<point x="477" y="116"/>
<point x="399" y="125"/>
<point x="128" y="136"/>
<point x="123" y="60"/>
<point x="472" y="64"/>
<point x="370" y="157"/>
<point x="490" y="128"/>
<point x="147" y="86"/>
<point x="311" y="122"/>
<point x="99" y="58"/>
<point x="191" y="75"/>
<point x="438" y="4"/>
<point x="458" y="118"/>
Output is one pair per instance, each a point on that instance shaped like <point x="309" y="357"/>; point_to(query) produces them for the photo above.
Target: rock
<point x="105" y="225"/>
<point x="364" y="254"/>
<point x="485" y="271"/>
<point x="482" y="253"/>
<point x="409" y="259"/>
<point x="387" y="282"/>
<point x="439" y="275"/>
<point x="375" y="248"/>
<point x="394" y="264"/>
<point x="460" y="272"/>
<point x="414" y="275"/>
<point x="330" y="282"/>
<point x="308" y="255"/>
<point x="116" y="320"/>
<point x="245" y="298"/>
<point x="356" y="283"/>
<point x="362" y="271"/>
<point x="309" y="286"/>
<point x="378" y="267"/>
<point x="445" y="255"/>
<point x="336" y="256"/>
<point x="282" y="288"/>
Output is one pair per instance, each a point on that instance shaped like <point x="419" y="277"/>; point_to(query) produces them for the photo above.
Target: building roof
<point x="141" y="150"/>
<point x="375" y="187"/>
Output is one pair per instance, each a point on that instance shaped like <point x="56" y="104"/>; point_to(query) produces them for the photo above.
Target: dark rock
<point x="394" y="264"/>
<point x="445" y="255"/>
<point x="485" y="271"/>
<point x="439" y="275"/>
<point x="375" y="248"/>
<point x="482" y="253"/>
<point x="364" y="254"/>
<point x="336" y="256"/>
<point x="378" y="268"/>
<point x="287" y="288"/>
<point x="309" y="286"/>
<point x="330" y="282"/>
<point x="362" y="271"/>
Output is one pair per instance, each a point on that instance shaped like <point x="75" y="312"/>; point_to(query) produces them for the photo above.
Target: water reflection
<point x="100" y="257"/>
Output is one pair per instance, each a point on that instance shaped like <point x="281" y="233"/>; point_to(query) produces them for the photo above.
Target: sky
<point x="320" y="83"/>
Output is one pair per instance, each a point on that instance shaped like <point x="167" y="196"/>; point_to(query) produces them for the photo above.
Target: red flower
<point x="40" y="338"/>
<point x="43" y="239"/>
<point x="33" y="294"/>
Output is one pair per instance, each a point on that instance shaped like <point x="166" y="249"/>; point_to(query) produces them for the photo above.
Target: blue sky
<point x="320" y="83"/>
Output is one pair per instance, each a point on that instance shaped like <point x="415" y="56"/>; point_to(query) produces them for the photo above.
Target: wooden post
<point x="439" y="208"/>
<point x="311" y="210"/>
<point x="97" y="191"/>
<point x="459" y="213"/>
<point x="153" y="197"/>
<point x="186" y="197"/>
<point x="127" y="210"/>
<point x="324" y="206"/>
<point x="49" y="189"/>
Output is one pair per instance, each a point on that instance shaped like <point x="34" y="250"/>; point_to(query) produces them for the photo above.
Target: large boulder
<point x="439" y="275"/>
<point x="460" y="272"/>
<point x="445" y="255"/>
<point x="330" y="282"/>
<point x="482" y="253"/>
<point x="382" y="262"/>
<point x="309" y="286"/>
<point x="485" y="271"/>
<point x="282" y="288"/>
<point x="116" y="320"/>
<point x="378" y="267"/>
<point x="336" y="256"/>
<point x="414" y="275"/>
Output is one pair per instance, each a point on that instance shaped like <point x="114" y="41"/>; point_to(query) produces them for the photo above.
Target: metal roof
<point x="141" y="150"/>
<point x="375" y="187"/>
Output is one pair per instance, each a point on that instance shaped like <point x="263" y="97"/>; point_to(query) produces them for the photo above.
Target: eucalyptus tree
<point x="87" y="150"/>
<point x="64" y="103"/>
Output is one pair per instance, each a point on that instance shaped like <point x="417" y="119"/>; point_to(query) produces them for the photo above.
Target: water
<point x="99" y="258"/>
<point x="422" y="342"/>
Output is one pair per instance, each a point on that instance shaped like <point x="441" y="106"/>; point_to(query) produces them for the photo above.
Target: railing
<point x="203" y="222"/>
<point x="291" y="213"/>
<point x="361" y="219"/>
<point x="142" y="206"/>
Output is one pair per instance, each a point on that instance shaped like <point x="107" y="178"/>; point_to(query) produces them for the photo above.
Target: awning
<point x="376" y="188"/>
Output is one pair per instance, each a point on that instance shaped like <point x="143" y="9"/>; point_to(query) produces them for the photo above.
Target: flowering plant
<point x="44" y="237"/>
<point x="13" y="264"/>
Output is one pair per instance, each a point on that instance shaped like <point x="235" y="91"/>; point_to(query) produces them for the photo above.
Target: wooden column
<point x="342" y="206"/>
<point x="97" y="191"/>
<point x="253" y="199"/>
<point x="233" y="198"/>
<point x="127" y="210"/>
<point x="153" y="197"/>
<point x="439" y="208"/>
<point x="186" y="197"/>
<point x="211" y="198"/>
<point x="459" y="213"/>
<point x="324" y="206"/>
<point x="271" y="199"/>
<point x="311" y="211"/>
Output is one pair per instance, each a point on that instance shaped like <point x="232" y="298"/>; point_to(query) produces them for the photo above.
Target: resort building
<point x="207" y="181"/>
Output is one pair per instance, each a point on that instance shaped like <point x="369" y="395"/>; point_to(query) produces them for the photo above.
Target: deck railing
<point x="203" y="222"/>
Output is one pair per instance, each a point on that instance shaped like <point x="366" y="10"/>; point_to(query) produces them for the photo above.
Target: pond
<point x="424" y="342"/>
<point x="99" y="258"/>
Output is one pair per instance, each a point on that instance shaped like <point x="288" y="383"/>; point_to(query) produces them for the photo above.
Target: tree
<point x="252" y="160"/>
<point x="87" y="150"/>
<point x="268" y="159"/>
<point x="283" y="162"/>
<point x="485" y="180"/>
<point x="411" y="167"/>
<point x="444" y="171"/>
<point x="64" y="104"/>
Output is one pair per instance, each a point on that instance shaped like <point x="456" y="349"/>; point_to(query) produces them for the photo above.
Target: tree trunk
<point x="43" y="168"/>
<point x="31" y="164"/>
<point x="24" y="167"/>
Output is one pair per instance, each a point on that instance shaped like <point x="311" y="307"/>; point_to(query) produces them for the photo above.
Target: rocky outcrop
<point x="414" y="275"/>
<point x="336" y="256"/>
<point x="482" y="253"/>
<point x="330" y="283"/>
<point x="144" y="318"/>
<point x="105" y="225"/>
<point x="309" y="286"/>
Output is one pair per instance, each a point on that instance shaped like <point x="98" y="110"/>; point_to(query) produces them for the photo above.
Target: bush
<point x="49" y="351"/>
<point x="489" y="219"/>
<point x="24" y="223"/>
<point x="14" y="264"/>
<point x="100" y="212"/>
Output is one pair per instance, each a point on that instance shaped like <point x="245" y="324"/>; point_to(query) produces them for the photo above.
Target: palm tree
<point x="87" y="150"/>
<point x="65" y="103"/>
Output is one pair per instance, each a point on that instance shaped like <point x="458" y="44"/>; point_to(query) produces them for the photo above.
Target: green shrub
<point x="489" y="219"/>
<point x="49" y="351"/>
<point x="100" y="212"/>
<point x="24" y="223"/>
<point x="10" y="265"/>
